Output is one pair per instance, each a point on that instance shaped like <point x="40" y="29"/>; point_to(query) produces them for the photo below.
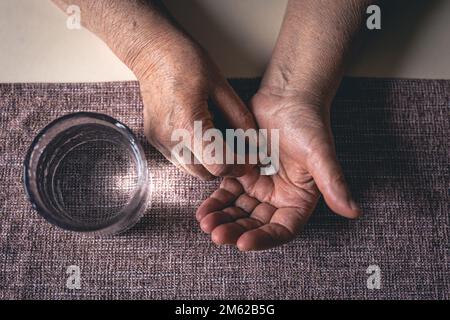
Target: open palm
<point x="257" y="212"/>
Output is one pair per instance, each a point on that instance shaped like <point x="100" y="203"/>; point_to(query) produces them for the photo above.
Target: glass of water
<point x="87" y="172"/>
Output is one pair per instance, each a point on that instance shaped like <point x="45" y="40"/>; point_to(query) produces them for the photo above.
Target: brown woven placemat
<point x="392" y="139"/>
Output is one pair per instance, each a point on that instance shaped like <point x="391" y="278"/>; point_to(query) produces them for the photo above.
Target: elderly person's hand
<point x="256" y="212"/>
<point x="176" y="77"/>
<point x="175" y="91"/>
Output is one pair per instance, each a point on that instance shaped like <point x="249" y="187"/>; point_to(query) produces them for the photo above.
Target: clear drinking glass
<point x="87" y="172"/>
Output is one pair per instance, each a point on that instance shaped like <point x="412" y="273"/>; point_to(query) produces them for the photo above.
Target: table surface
<point x="392" y="141"/>
<point x="36" y="46"/>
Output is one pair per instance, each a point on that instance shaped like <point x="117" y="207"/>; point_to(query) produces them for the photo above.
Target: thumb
<point x="206" y="141"/>
<point x="231" y="107"/>
<point x="327" y="173"/>
<point x="234" y="114"/>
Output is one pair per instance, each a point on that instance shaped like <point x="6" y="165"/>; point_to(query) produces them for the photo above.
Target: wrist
<point x="145" y="52"/>
<point x="315" y="71"/>
<point x="315" y="89"/>
<point x="136" y="31"/>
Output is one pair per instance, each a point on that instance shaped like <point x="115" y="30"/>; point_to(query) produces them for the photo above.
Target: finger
<point x="192" y="168"/>
<point x="263" y="238"/>
<point x="162" y="144"/>
<point x="284" y="225"/>
<point x="232" y="185"/>
<point x="229" y="190"/>
<point x="211" y="151"/>
<point x="246" y="203"/>
<point x="235" y="114"/>
<point x="328" y="175"/>
<point x="229" y="233"/>
<point x="196" y="170"/>
<point x="220" y="199"/>
<point x="231" y="107"/>
<point x="263" y="212"/>
<point x="212" y="220"/>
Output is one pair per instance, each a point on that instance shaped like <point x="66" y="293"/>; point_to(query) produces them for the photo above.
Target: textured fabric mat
<point x="392" y="139"/>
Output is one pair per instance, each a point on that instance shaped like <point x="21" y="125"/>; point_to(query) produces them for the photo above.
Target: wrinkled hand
<point x="256" y="212"/>
<point x="176" y="81"/>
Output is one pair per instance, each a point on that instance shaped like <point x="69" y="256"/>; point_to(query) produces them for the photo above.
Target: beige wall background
<point x="36" y="46"/>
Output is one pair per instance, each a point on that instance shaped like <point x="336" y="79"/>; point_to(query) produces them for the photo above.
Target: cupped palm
<point x="257" y="212"/>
